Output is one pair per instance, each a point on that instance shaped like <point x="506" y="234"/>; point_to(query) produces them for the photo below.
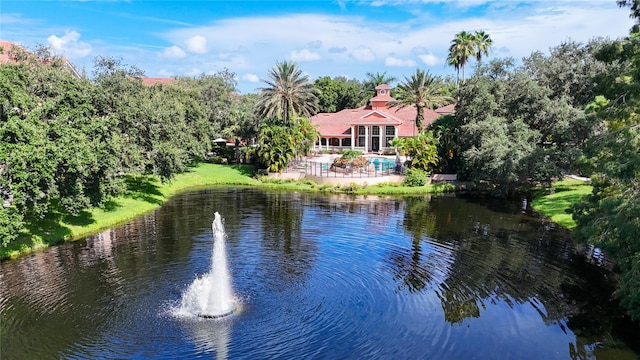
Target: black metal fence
<point x="327" y="169"/>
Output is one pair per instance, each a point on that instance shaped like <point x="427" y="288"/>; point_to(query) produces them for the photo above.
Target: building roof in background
<point x="8" y="52"/>
<point x="447" y="109"/>
<point x="149" y="81"/>
<point x="7" y="49"/>
<point x="339" y="124"/>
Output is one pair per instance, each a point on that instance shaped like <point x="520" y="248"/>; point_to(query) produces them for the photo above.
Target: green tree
<point x="500" y="90"/>
<point x="482" y="43"/>
<point x="575" y="70"/>
<point x="337" y="93"/>
<point x="276" y="146"/>
<point x="422" y="149"/>
<point x="500" y="157"/>
<point x="466" y="45"/>
<point x="608" y="218"/>
<point x="446" y="130"/>
<point x="288" y="95"/>
<point x="461" y="49"/>
<point x="421" y="90"/>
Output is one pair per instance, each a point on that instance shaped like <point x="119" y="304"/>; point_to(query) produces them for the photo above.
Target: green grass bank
<point x="555" y="204"/>
<point x="147" y="193"/>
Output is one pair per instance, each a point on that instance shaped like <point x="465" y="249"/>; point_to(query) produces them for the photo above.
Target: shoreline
<point x="60" y="228"/>
<point x="150" y="194"/>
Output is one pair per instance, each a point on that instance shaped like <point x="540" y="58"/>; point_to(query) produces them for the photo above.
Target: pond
<point x="318" y="276"/>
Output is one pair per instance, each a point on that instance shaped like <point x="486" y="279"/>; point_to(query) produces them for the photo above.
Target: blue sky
<point x="334" y="38"/>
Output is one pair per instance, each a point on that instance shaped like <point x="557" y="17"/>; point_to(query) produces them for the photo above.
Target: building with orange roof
<point x="369" y="128"/>
<point x="150" y="81"/>
<point x="10" y="53"/>
<point x="6" y="52"/>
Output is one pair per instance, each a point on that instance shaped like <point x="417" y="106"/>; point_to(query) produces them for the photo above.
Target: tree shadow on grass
<point x="83" y="218"/>
<point x="246" y="170"/>
<point x="143" y="188"/>
<point x="50" y="228"/>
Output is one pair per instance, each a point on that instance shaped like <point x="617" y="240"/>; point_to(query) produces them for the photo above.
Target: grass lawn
<point x="555" y="205"/>
<point x="145" y="194"/>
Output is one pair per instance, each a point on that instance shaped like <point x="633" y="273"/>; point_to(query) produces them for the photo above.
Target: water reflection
<point x="322" y="276"/>
<point x="210" y="336"/>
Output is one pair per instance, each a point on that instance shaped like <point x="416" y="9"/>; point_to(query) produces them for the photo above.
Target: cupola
<point x="383" y="96"/>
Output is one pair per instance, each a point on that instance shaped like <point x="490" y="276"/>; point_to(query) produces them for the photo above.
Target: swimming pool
<point x="382" y="163"/>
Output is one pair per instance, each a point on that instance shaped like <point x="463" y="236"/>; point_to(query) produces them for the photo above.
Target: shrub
<point x="351" y="154"/>
<point x="415" y="177"/>
<point x="352" y="188"/>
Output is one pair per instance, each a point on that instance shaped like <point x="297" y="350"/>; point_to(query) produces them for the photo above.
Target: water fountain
<point x="211" y="295"/>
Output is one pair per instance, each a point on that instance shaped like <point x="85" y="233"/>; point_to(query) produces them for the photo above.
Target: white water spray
<point x="211" y="295"/>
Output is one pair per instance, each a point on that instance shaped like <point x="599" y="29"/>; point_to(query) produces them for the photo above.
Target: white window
<point x="361" y="136"/>
<point x="390" y="134"/>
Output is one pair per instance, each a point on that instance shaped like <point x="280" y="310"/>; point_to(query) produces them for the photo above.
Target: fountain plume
<point x="211" y="295"/>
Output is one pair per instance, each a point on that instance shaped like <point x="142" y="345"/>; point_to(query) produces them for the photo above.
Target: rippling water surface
<point x="317" y="277"/>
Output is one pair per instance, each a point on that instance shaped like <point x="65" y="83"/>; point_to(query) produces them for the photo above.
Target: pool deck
<point x="299" y="172"/>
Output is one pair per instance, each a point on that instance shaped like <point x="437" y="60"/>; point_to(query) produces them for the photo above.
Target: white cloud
<point x="363" y="53"/>
<point x="429" y="59"/>
<point x="232" y="59"/>
<point x="193" y="72"/>
<point x="354" y="44"/>
<point x="304" y="55"/>
<point x="250" y="77"/>
<point x="15" y="19"/>
<point x="394" y="61"/>
<point x="69" y="44"/>
<point x="174" y="52"/>
<point x="196" y="44"/>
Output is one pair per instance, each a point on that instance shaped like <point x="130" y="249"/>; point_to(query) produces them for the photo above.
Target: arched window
<point x="334" y="142"/>
<point x="346" y="142"/>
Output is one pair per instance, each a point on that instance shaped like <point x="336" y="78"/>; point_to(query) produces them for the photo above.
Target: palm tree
<point x="288" y="95"/>
<point x="461" y="49"/>
<point x="421" y="90"/>
<point x="482" y="42"/>
<point x="466" y="45"/>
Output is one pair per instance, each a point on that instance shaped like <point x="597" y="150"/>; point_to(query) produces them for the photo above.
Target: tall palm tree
<point x="289" y="93"/>
<point x="421" y="90"/>
<point x="461" y="49"/>
<point x="466" y="45"/>
<point x="482" y="42"/>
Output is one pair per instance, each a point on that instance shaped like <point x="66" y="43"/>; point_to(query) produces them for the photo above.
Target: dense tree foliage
<point x="421" y="149"/>
<point x="280" y="142"/>
<point x="610" y="216"/>
<point x="338" y="93"/>
<point x="68" y="143"/>
<point x="518" y="127"/>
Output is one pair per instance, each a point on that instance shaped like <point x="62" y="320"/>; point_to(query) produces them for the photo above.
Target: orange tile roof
<point x="148" y="81"/>
<point x="447" y="109"/>
<point x="339" y="124"/>
<point x="7" y="48"/>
